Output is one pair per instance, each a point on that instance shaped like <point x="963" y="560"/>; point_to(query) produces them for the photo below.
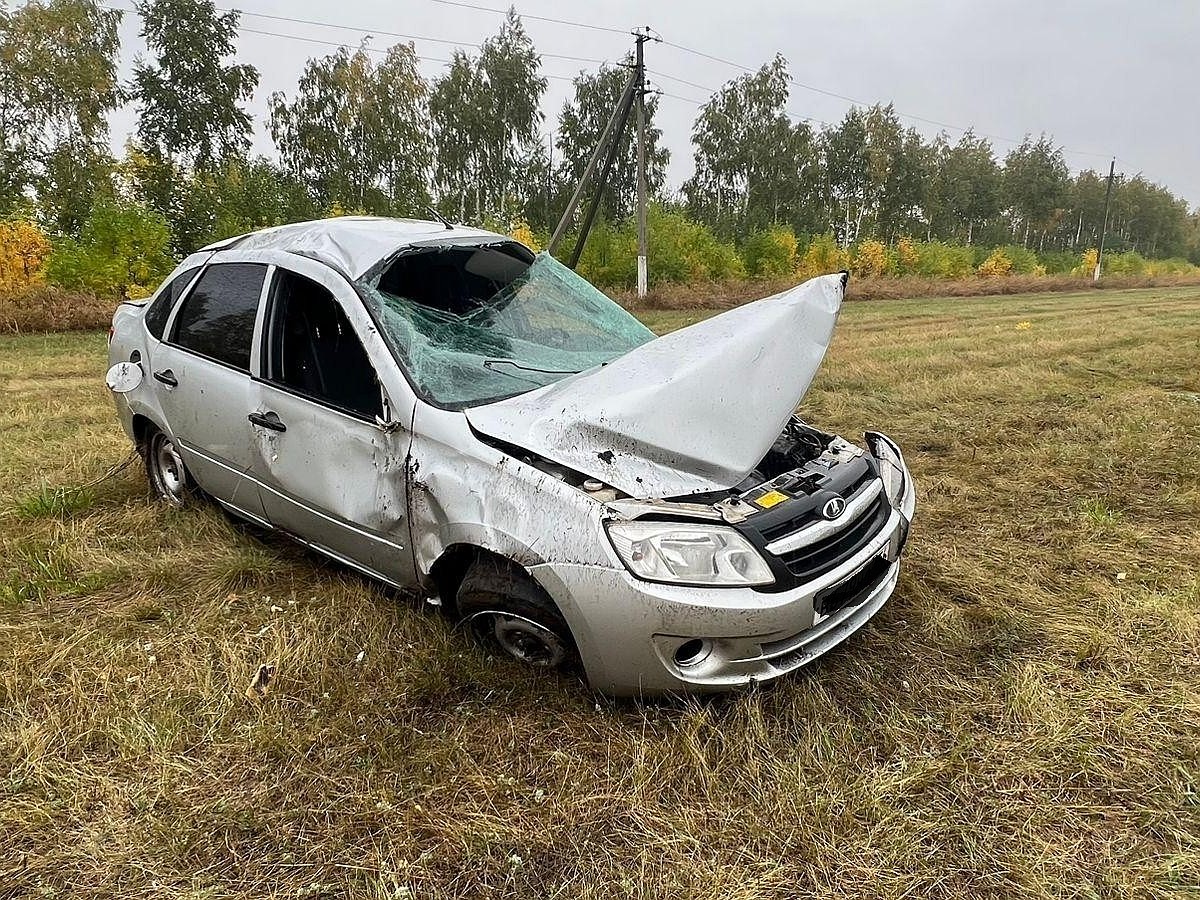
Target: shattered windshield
<point x="474" y="324"/>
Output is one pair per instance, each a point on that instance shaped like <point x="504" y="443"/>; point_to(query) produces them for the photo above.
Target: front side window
<point x="313" y="350"/>
<point x="217" y="318"/>
<point x="475" y="324"/>
<point x="160" y="309"/>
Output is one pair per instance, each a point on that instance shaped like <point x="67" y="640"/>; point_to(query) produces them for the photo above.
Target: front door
<point x="330" y="466"/>
<point x="202" y="376"/>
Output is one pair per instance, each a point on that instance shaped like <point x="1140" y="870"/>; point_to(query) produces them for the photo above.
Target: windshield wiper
<point x="492" y="363"/>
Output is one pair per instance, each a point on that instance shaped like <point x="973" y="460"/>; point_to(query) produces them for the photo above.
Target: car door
<point x="201" y="374"/>
<point x="330" y="456"/>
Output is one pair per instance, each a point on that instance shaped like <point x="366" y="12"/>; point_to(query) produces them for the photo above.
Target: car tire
<point x="170" y="481"/>
<point x="511" y="614"/>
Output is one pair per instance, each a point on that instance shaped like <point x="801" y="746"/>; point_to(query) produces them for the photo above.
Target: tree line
<point x="363" y="130"/>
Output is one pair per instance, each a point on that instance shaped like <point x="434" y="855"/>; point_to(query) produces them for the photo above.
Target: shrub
<point x="1024" y="261"/>
<point x="870" y="260"/>
<point x="821" y="257"/>
<point x="609" y="257"/>
<point x="520" y="231"/>
<point x="997" y="265"/>
<point x="907" y="257"/>
<point x="23" y="252"/>
<point x="680" y="250"/>
<point x="1174" y="266"/>
<point x="1059" y="262"/>
<point x="770" y="252"/>
<point x="938" y="260"/>
<point x="1087" y="263"/>
<point x="1129" y="263"/>
<point x="121" y="251"/>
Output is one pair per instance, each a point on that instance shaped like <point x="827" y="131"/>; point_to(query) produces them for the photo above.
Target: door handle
<point x="267" y="420"/>
<point x="167" y="377"/>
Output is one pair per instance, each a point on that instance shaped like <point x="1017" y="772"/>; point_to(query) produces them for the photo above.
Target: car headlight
<point x="891" y="469"/>
<point x="681" y="553"/>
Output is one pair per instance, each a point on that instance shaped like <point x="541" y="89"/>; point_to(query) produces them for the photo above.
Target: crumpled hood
<point x="690" y="412"/>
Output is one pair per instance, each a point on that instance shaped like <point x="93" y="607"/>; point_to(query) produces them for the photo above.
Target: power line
<point x="503" y="12"/>
<point x="608" y="29"/>
<point x="800" y="84"/>
<point x="310" y="40"/>
<point x="701" y="103"/>
<point x="245" y="29"/>
<point x="848" y="99"/>
<point x="395" y="34"/>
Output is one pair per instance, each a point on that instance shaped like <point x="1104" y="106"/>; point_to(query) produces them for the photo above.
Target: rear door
<point x="329" y="460"/>
<point x="201" y="375"/>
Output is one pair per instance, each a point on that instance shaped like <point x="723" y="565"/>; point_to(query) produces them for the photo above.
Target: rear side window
<point x="160" y="309"/>
<point x="217" y="318"/>
<point x="313" y="349"/>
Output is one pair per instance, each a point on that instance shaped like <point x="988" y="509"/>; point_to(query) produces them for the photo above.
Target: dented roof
<point x="351" y="244"/>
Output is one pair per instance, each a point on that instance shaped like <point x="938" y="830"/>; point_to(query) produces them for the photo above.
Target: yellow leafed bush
<point x="823" y="256"/>
<point x="23" y="252"/>
<point x="1087" y="263"/>
<point x="870" y="260"/>
<point x="520" y="231"/>
<point x="907" y="257"/>
<point x="997" y="265"/>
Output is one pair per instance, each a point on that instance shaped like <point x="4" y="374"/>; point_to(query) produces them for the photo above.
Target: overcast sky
<point x="1102" y="77"/>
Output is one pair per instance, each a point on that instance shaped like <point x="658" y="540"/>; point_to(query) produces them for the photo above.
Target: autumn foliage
<point x="23" y="251"/>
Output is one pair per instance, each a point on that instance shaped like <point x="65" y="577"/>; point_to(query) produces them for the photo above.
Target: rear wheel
<point x="165" y="471"/>
<point x="512" y="615"/>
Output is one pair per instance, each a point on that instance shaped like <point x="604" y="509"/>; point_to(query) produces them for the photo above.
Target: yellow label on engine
<point x="771" y="498"/>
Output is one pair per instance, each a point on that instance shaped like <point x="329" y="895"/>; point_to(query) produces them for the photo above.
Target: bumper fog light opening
<point x="691" y="652"/>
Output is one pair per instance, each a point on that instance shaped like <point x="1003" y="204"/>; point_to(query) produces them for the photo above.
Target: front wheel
<point x="165" y="470"/>
<point x="510" y="613"/>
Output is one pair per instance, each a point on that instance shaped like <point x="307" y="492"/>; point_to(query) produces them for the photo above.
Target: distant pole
<point x="1112" y="167"/>
<point x="642" y="274"/>
<point x="601" y="145"/>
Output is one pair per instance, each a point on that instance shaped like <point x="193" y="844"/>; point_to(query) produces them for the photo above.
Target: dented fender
<point x="463" y="491"/>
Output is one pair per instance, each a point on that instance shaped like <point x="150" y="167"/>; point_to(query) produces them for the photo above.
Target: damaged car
<point x="448" y="412"/>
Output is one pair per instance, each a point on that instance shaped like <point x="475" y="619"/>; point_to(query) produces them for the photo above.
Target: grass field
<point x="1023" y="719"/>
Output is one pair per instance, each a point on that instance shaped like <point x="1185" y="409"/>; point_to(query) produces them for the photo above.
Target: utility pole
<point x="1104" y="230"/>
<point x="615" y="123"/>
<point x="643" y="248"/>
<point x="607" y="147"/>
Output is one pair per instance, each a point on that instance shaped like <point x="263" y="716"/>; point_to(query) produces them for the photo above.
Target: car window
<point x="471" y="325"/>
<point x="217" y="318"/>
<point x="314" y="351"/>
<point x="160" y="309"/>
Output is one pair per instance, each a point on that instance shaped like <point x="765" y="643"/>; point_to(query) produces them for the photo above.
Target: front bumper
<point x="628" y="630"/>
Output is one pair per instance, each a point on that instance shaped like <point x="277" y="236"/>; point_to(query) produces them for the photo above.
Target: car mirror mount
<point x="387" y="426"/>
<point x="385" y="421"/>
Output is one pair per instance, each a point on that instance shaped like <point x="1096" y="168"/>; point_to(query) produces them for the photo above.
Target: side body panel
<point x="206" y="413"/>
<point x="332" y="478"/>
<point x="131" y="339"/>
<point x="334" y="481"/>
<point x="205" y="410"/>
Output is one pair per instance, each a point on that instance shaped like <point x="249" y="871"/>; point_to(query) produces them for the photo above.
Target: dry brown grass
<point x="50" y="309"/>
<point x="44" y="308"/>
<point x="1020" y="720"/>
<point x="722" y="295"/>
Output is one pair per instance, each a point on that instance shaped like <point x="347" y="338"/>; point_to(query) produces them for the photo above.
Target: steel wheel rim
<point x="169" y="474"/>
<point x="528" y="642"/>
